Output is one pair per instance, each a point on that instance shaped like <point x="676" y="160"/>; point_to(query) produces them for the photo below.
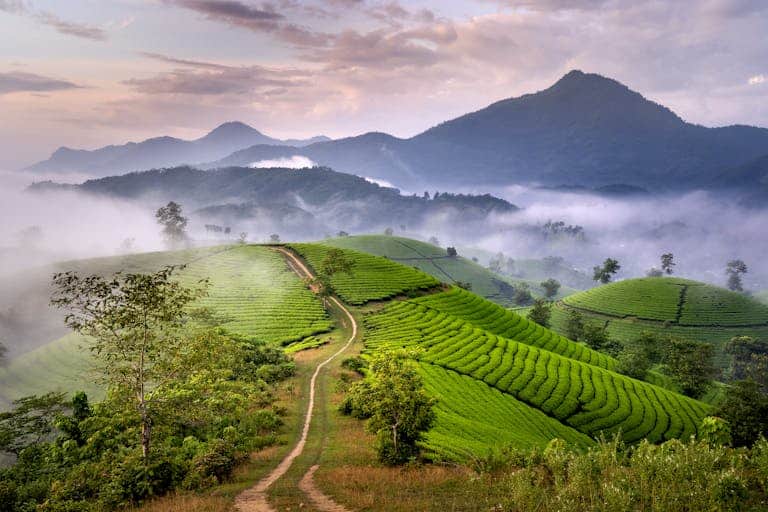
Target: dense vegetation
<point x="372" y="277"/>
<point x="666" y="306"/>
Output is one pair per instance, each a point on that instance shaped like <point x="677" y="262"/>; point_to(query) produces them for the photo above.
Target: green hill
<point x="435" y="261"/>
<point x="670" y="306"/>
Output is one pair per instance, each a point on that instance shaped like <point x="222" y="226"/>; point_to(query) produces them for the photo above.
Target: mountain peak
<point x="577" y="79"/>
<point x="233" y="128"/>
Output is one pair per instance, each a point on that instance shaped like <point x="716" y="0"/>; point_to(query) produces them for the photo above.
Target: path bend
<point x="254" y="499"/>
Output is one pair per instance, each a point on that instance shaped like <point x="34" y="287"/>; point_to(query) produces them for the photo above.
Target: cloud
<point x="206" y="78"/>
<point x="757" y="80"/>
<point x="17" y="81"/>
<point x="294" y="162"/>
<point x="48" y="18"/>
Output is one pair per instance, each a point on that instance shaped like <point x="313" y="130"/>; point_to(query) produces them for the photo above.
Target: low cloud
<point x="294" y="162"/>
<point x="757" y="80"/>
<point x="17" y="81"/>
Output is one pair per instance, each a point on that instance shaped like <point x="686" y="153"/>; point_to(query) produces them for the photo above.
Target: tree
<point x="29" y="421"/>
<point x="274" y="238"/>
<point x="451" y="251"/>
<point x="342" y="234"/>
<point x="434" y="241"/>
<point x="496" y="263"/>
<point x="173" y="222"/>
<point x="335" y="262"/>
<point x="735" y="270"/>
<point x="745" y="408"/>
<point x="667" y="262"/>
<point x="389" y="231"/>
<point x="637" y="356"/>
<point x="690" y="364"/>
<point x="743" y="350"/>
<point x="135" y="325"/>
<point x="3" y="352"/>
<point x="605" y="273"/>
<point x="574" y="325"/>
<point x="594" y="335"/>
<point x="242" y="238"/>
<point x="523" y="295"/>
<point x="551" y="287"/>
<point x="398" y="409"/>
<point x="541" y="312"/>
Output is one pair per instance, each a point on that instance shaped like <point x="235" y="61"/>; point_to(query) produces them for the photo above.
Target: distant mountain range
<point x="161" y="152"/>
<point x="584" y="131"/>
<point x="307" y="202"/>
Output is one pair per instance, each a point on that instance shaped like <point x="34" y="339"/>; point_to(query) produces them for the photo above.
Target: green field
<point x="556" y="381"/>
<point x="668" y="306"/>
<point x="252" y="291"/>
<point x="434" y="261"/>
<point x="372" y="278"/>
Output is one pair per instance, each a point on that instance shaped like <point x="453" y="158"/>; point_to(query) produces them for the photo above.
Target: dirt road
<point x="255" y="498"/>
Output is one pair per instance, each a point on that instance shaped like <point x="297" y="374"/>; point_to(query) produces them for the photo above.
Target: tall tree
<point x="574" y="325"/>
<point x="667" y="262"/>
<point x="541" y="312"/>
<point x="173" y="222"/>
<point x="605" y="272"/>
<point x="134" y="322"/>
<point x="742" y="349"/>
<point x="735" y="270"/>
<point x="29" y="421"/>
<point x="551" y="287"/>
<point x="690" y="364"/>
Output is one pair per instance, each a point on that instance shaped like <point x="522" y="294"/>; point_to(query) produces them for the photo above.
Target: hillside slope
<point x="585" y="130"/>
<point x="668" y="306"/>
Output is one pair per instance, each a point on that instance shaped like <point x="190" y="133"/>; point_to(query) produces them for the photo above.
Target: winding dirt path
<point x="255" y="498"/>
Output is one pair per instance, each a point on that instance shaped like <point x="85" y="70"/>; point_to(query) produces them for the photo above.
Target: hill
<point x="668" y="306"/>
<point x="319" y="200"/>
<point x="435" y="261"/>
<point x="585" y="130"/>
<point x="160" y="152"/>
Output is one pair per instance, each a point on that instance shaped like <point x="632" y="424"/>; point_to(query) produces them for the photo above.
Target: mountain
<point x="749" y="182"/>
<point x="309" y="202"/>
<point x="584" y="130"/>
<point x="161" y="152"/>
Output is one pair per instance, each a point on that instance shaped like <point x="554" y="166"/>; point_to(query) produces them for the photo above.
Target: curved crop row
<point x="472" y="417"/>
<point x="586" y="397"/>
<point x="493" y="318"/>
<point x="653" y="298"/>
<point x="372" y="278"/>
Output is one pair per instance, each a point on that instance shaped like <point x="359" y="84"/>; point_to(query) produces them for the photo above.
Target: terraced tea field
<point x="252" y="290"/>
<point x="434" y="261"/>
<point x="668" y="306"/>
<point x="373" y="277"/>
<point x="474" y="418"/>
<point x="583" y="396"/>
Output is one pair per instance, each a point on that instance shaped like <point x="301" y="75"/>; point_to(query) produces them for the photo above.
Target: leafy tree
<point x="637" y="356"/>
<point x="757" y="370"/>
<point x="389" y="231"/>
<point x="690" y="364"/>
<point x="335" y="262"/>
<point x="451" y="251"/>
<point x="173" y="222"/>
<point x="667" y="262"/>
<point x="274" y="238"/>
<point x="242" y="238"/>
<point x="606" y="271"/>
<point x="496" y="264"/>
<point x="715" y="431"/>
<point x="523" y="295"/>
<point x="594" y="335"/>
<point x="735" y="270"/>
<point x="574" y="325"/>
<point x="745" y="408"/>
<point x="742" y="349"/>
<point x="541" y="312"/>
<point x="434" y="241"/>
<point x="551" y="287"/>
<point x="342" y="234"/>
<point x="398" y="409"/>
<point x="30" y="421"/>
<point x="466" y="285"/>
<point x="135" y="323"/>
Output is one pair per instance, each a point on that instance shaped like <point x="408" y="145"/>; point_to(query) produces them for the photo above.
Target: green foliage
<point x="667" y="263"/>
<point x="745" y="408"/>
<point x="734" y="270"/>
<point x="336" y="262"/>
<point x="551" y="287"/>
<point x="742" y="349"/>
<point x="374" y="277"/>
<point x="595" y="336"/>
<point x="173" y="222"/>
<point x="30" y="421"/>
<point x="398" y="409"/>
<point x="574" y="327"/>
<point x="523" y="296"/>
<point x="356" y="364"/>
<point x="605" y="272"/>
<point x="690" y="364"/>
<point x="540" y="312"/>
<point x="715" y="431"/>
<point x="638" y="355"/>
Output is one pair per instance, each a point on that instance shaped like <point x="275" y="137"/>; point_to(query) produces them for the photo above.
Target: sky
<point x="86" y="73"/>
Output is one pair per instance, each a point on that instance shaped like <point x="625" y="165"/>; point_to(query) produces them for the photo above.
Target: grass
<point x="434" y="261"/>
<point x="668" y="306"/>
<point x="373" y="277"/>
